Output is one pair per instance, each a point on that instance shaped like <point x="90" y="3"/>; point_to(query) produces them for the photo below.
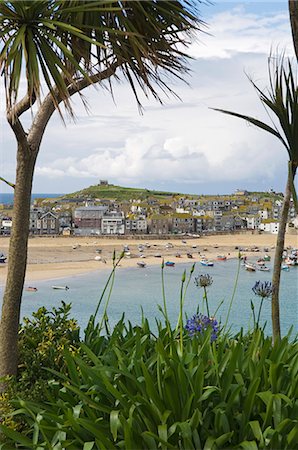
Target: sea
<point x="7" y="199"/>
<point x="138" y="291"/>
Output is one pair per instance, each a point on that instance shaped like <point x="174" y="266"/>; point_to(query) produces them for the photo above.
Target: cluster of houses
<point x="158" y="216"/>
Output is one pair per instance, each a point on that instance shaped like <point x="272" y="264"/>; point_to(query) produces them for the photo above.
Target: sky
<point x="182" y="145"/>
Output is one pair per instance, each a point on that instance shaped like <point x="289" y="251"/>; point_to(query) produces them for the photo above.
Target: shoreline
<point x="61" y="257"/>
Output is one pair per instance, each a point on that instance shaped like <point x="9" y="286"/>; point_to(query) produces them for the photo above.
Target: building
<point x="159" y="224"/>
<point x="88" y="219"/>
<point x="136" y="225"/>
<point x="112" y="222"/>
<point x="47" y="223"/>
<point x="6" y="224"/>
<point x="269" y="226"/>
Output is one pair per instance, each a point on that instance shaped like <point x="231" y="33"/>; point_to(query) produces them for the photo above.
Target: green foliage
<point x="136" y="389"/>
<point x="42" y="341"/>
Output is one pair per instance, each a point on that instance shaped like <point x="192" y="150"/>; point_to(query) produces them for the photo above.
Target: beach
<point x="63" y="256"/>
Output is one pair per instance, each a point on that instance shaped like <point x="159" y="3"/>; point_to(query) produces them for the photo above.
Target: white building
<point x="113" y="223"/>
<point x="269" y="226"/>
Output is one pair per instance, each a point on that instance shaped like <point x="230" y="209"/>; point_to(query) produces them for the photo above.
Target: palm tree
<point x="293" y="10"/>
<point x="281" y="99"/>
<point x="62" y="47"/>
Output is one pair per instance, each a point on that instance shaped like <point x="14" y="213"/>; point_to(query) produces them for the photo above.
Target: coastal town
<point x="86" y="214"/>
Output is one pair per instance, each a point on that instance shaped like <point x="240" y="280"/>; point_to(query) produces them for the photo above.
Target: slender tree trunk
<point x="280" y="243"/>
<point x="17" y="261"/>
<point x="293" y="10"/>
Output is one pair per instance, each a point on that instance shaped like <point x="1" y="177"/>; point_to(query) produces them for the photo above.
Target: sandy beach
<point x="59" y="257"/>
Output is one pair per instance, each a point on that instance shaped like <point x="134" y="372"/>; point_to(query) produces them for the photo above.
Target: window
<point x="44" y="223"/>
<point x="53" y="224"/>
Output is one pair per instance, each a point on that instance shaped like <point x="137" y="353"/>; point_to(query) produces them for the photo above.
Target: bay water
<point x="140" y="289"/>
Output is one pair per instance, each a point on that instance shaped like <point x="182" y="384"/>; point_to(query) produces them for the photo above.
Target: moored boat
<point x="264" y="269"/>
<point x="141" y="264"/>
<point x="250" y="267"/>
<point x="31" y="289"/>
<point x="169" y="264"/>
<point x="221" y="258"/>
<point x="189" y="255"/>
<point x="64" y="288"/>
<point x="206" y="262"/>
<point x="3" y="258"/>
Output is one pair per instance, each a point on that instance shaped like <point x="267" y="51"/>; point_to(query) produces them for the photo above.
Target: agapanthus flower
<point x="199" y="324"/>
<point x="203" y="280"/>
<point x="263" y="289"/>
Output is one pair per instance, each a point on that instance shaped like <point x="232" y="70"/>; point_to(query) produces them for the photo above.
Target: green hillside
<point x="119" y="193"/>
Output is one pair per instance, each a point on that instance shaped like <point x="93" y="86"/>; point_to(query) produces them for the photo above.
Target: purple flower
<point x="199" y="324"/>
<point x="263" y="289"/>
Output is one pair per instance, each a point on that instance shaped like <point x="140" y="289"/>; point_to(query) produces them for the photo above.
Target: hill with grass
<point x="119" y="193"/>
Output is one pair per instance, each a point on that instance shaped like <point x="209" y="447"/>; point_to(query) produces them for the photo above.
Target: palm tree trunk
<point x="293" y="10"/>
<point x="280" y="243"/>
<point x="17" y="261"/>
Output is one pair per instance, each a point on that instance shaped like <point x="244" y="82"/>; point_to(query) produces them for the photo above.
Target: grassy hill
<point x="119" y="193"/>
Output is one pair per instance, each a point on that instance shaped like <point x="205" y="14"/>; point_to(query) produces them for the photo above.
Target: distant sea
<point x="7" y="199"/>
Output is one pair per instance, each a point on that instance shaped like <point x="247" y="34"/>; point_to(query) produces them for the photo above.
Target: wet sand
<point x="60" y="257"/>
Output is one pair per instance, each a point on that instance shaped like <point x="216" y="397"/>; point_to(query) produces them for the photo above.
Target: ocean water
<point x="137" y="289"/>
<point x="7" y="199"/>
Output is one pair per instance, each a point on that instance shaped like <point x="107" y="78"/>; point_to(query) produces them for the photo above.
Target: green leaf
<point x="88" y="445"/>
<point x="248" y="445"/>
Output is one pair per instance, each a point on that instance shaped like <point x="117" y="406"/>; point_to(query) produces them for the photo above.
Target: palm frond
<point x="63" y="41"/>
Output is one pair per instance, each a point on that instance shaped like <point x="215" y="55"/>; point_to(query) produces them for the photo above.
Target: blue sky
<point x="183" y="145"/>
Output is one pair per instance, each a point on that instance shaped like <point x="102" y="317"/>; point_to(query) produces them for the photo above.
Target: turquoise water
<point x="136" y="288"/>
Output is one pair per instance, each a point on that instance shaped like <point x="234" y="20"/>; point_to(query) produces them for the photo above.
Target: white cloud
<point x="178" y="143"/>
<point x="235" y="31"/>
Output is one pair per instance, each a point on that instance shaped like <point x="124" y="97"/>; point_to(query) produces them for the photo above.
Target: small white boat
<point x="285" y="267"/>
<point x="250" y="267"/>
<point x="141" y="264"/>
<point x="64" y="288"/>
<point x="264" y="269"/>
<point x="206" y="262"/>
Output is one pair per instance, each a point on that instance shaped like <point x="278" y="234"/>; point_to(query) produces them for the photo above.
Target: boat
<point x="221" y="258"/>
<point x="206" y="262"/>
<point x="170" y="263"/>
<point x="3" y="258"/>
<point x="264" y="269"/>
<point x="189" y="255"/>
<point x="64" y="288"/>
<point x="178" y="255"/>
<point x="169" y="245"/>
<point x="260" y="262"/>
<point x="285" y="267"/>
<point x="157" y="255"/>
<point x="31" y="289"/>
<point x="250" y="267"/>
<point x="141" y="264"/>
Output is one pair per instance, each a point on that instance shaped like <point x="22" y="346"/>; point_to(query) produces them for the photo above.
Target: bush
<point x="135" y="389"/>
<point x="42" y="341"/>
